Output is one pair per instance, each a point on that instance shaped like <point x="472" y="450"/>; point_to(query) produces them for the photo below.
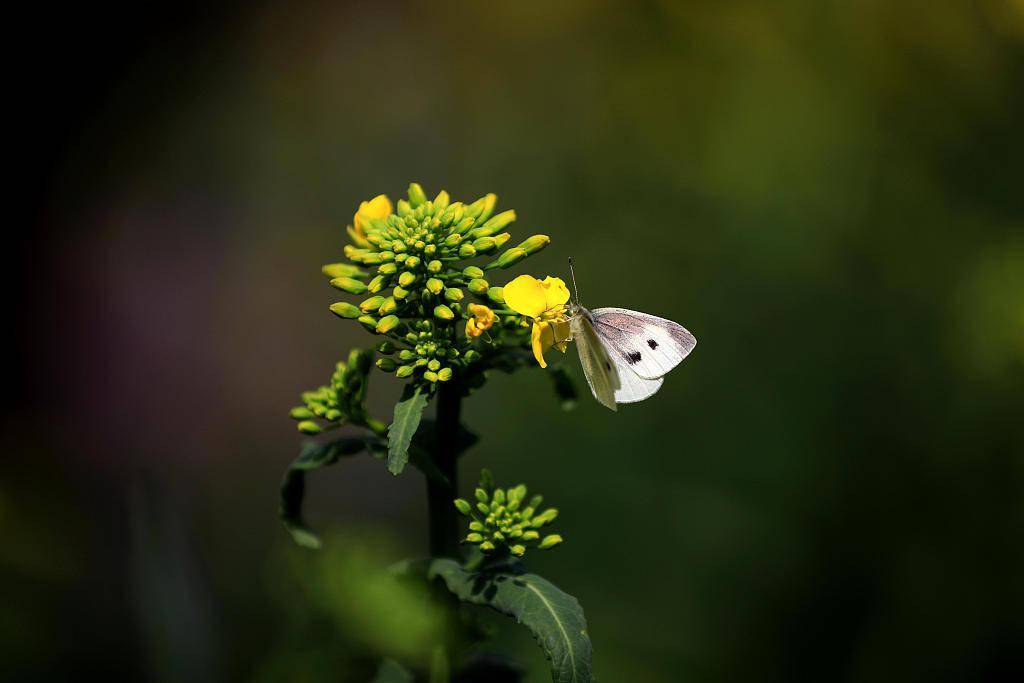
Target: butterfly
<point x="625" y="354"/>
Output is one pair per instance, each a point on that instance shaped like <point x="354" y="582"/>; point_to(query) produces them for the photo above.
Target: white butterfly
<point x="625" y="354"/>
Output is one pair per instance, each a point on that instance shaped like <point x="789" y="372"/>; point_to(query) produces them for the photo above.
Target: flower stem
<point x="444" y="530"/>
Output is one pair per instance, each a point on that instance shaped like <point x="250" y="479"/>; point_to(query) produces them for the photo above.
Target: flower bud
<point x="369" y="322"/>
<point x="344" y="309"/>
<point x="389" y="306"/>
<point x="435" y="266"/>
<point x="335" y="270"/>
<point x="376" y="284"/>
<point x="534" y="244"/>
<point x="371" y="304"/>
<point x="530" y="535"/>
<point x="434" y="285"/>
<point x="453" y="239"/>
<point x="476" y="526"/>
<point x="443" y="312"/>
<point x="453" y="294"/>
<point x="500" y="240"/>
<point x="484" y="244"/>
<point x="412" y="261"/>
<point x="300" y="413"/>
<point x="387" y="324"/>
<point x="474" y="538"/>
<point x="478" y="286"/>
<point x="489" y="202"/>
<point x="481" y="495"/>
<point x="441" y="201"/>
<point x="416" y="195"/>
<point x="387" y="347"/>
<point x="445" y="374"/>
<point x="486" y="546"/>
<point x="404" y="371"/>
<point x="550" y="541"/>
<point x="473" y="272"/>
<point x="467" y="251"/>
<point x="309" y="427"/>
<point x="463" y="506"/>
<point x="518" y="550"/>
<point x="406" y="279"/>
<point x="496" y="294"/>
<point x="430" y="376"/>
<point x="387" y="364"/>
<point x="506" y="260"/>
<point x="472" y="356"/>
<point x="483" y="507"/>
<point x="391" y="268"/>
<point x="400" y="293"/>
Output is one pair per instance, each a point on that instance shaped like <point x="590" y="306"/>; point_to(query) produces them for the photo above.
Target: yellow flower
<point x="482" y="319"/>
<point x="544" y="302"/>
<point x="377" y="208"/>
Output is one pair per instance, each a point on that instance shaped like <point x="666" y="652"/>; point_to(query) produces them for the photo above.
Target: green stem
<point x="444" y="530"/>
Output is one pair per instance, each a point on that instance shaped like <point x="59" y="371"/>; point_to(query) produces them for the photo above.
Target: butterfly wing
<point x="648" y="345"/>
<point x="598" y="367"/>
<point x="634" y="387"/>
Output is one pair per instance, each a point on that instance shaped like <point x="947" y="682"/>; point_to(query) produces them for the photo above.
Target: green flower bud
<point x="435" y="266"/>
<point x="474" y="538"/>
<point x="387" y="364"/>
<point x="453" y="294"/>
<point x="387" y="347"/>
<point x="371" y="259"/>
<point x="530" y="535"/>
<point x="496" y="294"/>
<point x="476" y="526"/>
<point x="344" y="309"/>
<point x="300" y="413"/>
<point x="500" y="240"/>
<point x="463" y="506"/>
<point x="377" y="284"/>
<point x="430" y="376"/>
<point x="484" y="244"/>
<point x="441" y="201"/>
<point x="467" y="251"/>
<point x="404" y="371"/>
<point x="435" y="286"/>
<point x="443" y="312"/>
<point x="550" y="541"/>
<point x="489" y="201"/>
<point x="518" y="550"/>
<point x="473" y="272"/>
<point x="483" y="507"/>
<point x="412" y="262"/>
<point x="499" y="222"/>
<point x="434" y="365"/>
<point x="336" y="270"/>
<point x="472" y="356"/>
<point x="416" y="195"/>
<point x="406" y="354"/>
<point x="534" y="244"/>
<point x="400" y="293"/>
<point x="391" y="268"/>
<point x="506" y="260"/>
<point x="453" y="239"/>
<point x="333" y="414"/>
<point x="369" y="322"/>
<point x="387" y="324"/>
<point x="445" y="374"/>
<point x="481" y="495"/>
<point x="309" y="427"/>
<point x="389" y="306"/>
<point x="478" y="286"/>
<point x="371" y="304"/>
<point x="499" y="496"/>
<point x="406" y="279"/>
<point x="487" y="546"/>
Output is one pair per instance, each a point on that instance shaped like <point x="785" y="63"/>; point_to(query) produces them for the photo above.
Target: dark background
<point x="827" y="194"/>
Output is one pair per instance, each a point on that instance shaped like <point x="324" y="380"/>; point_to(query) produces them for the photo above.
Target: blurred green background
<point x="828" y="194"/>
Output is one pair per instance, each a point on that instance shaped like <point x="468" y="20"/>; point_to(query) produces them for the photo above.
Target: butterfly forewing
<point x="634" y="388"/>
<point x="597" y="365"/>
<point x="648" y="345"/>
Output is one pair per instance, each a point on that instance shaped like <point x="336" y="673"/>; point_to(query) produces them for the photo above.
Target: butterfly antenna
<point x="575" y="289"/>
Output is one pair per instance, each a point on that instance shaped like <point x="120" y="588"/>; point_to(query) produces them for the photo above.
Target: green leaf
<point x="391" y="671"/>
<point x="408" y="413"/>
<point x="293" y="486"/>
<point x="554" y="618"/>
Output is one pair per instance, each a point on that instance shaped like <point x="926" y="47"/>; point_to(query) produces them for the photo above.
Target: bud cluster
<point x="343" y="401"/>
<point x="502" y="518"/>
<point x="411" y="267"/>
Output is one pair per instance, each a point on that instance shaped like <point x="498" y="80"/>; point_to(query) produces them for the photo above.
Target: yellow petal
<point x="562" y="334"/>
<point x="542" y="339"/>
<point x="378" y="207"/>
<point x="526" y="295"/>
<point x="555" y="292"/>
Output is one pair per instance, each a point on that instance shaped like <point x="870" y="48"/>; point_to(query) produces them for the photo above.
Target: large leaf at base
<point x="293" y="486"/>
<point x="408" y="413"/>
<point x="554" y="618"/>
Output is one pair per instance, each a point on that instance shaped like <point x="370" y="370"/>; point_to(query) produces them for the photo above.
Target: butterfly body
<point x="625" y="354"/>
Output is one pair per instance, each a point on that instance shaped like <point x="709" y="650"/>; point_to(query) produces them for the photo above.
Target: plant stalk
<point x="444" y="529"/>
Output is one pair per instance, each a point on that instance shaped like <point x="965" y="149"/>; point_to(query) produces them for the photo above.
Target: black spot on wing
<point x="633" y="357"/>
<point x="653" y="344"/>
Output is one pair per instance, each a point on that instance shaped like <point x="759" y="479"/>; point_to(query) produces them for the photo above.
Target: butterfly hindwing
<point x="634" y="387"/>
<point x="648" y="345"/>
<point x="598" y="367"/>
